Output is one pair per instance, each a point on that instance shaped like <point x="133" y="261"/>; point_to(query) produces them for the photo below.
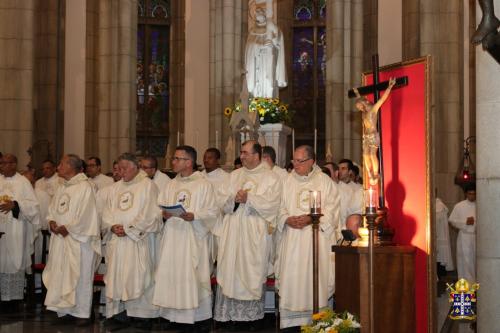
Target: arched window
<point x="153" y="67"/>
<point x="308" y="71"/>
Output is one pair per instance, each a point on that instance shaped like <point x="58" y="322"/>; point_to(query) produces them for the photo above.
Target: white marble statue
<point x="264" y="57"/>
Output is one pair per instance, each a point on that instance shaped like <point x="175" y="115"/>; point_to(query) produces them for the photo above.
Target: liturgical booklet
<point x="176" y="210"/>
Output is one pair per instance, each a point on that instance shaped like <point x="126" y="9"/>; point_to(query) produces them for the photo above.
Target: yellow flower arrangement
<point x="270" y="110"/>
<point x="327" y="321"/>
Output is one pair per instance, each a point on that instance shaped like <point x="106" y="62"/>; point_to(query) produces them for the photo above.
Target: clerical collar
<point x="315" y="169"/>
<point x="140" y="176"/>
<point x="195" y="175"/>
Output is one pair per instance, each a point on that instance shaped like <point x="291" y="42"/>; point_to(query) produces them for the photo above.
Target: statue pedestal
<point x="276" y="136"/>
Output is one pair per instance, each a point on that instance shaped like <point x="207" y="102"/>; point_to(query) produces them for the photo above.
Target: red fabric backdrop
<point x="406" y="160"/>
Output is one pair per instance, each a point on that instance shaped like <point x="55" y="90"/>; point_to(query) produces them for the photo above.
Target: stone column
<point x="116" y="91"/>
<point x="16" y="77"/>
<point x="437" y="28"/>
<point x="488" y="187"/>
<point x="196" y="98"/>
<point x="228" y="29"/>
<point x="344" y="66"/>
<point x="74" y="74"/>
<point x="49" y="64"/>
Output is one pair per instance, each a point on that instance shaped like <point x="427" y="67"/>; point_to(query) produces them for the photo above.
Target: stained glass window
<point x="303" y="10"/>
<point x="152" y="81"/>
<point x="309" y="72"/>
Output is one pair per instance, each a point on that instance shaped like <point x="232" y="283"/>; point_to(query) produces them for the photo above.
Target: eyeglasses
<point x="244" y="152"/>
<point x="300" y="161"/>
<point x="175" y="158"/>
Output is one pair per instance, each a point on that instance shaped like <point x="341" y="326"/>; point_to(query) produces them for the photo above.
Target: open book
<point x="175" y="210"/>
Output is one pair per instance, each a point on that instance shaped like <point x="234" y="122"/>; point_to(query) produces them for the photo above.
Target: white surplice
<point x="182" y="279"/>
<point x="101" y="181"/>
<point x="161" y="180"/>
<point x="243" y="258"/>
<point x="72" y="260"/>
<point x="17" y="244"/>
<point x="218" y="178"/>
<point x="49" y="185"/>
<point x="443" y="246"/>
<point x="129" y="264"/>
<point x="293" y="265"/>
<point x="466" y="240"/>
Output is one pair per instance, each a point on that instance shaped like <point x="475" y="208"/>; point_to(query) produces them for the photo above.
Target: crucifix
<point x="372" y="140"/>
<point x="375" y="89"/>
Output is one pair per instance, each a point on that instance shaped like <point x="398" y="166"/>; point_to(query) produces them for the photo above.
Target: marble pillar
<point x="344" y="67"/>
<point x="488" y="187"/>
<point x="16" y="77"/>
<point x="116" y="73"/>
<point x="228" y="29"/>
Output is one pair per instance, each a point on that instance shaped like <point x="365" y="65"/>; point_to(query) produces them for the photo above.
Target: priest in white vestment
<point x="19" y="220"/>
<point x="75" y="244"/>
<point x="251" y="207"/>
<point x="50" y="180"/>
<point x="293" y="266"/>
<point x="131" y="216"/>
<point x="93" y="171"/>
<point x="182" y="280"/>
<point x="269" y="157"/>
<point x="443" y="246"/>
<point x="150" y="165"/>
<point x="463" y="217"/>
<point x="218" y="178"/>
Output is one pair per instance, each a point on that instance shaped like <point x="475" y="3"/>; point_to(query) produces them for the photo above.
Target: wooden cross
<point x="375" y="89"/>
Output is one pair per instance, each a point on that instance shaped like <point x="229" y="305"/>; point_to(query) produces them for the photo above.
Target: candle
<point x="315" y="202"/>
<point x="293" y="140"/>
<point x="217" y="139"/>
<point x="178" y="138"/>
<point x="370" y="200"/>
<point x="315" y="140"/>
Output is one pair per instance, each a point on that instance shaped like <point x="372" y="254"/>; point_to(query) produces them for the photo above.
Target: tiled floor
<point x="36" y="320"/>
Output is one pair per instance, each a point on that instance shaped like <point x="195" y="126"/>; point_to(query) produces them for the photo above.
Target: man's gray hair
<point x="309" y="151"/>
<point x="129" y="157"/>
<point x="75" y="162"/>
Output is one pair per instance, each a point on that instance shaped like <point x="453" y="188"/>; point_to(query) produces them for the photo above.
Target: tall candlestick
<point x="293" y="140"/>
<point x="217" y="139"/>
<point x="178" y="138"/>
<point x="315" y="202"/>
<point x="315" y="140"/>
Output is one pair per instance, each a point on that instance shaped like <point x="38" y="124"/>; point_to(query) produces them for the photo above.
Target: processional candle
<point x="315" y="202"/>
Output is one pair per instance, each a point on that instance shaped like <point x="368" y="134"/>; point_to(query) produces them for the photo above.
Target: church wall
<point x="17" y="20"/>
<point x="345" y="56"/>
<point x="228" y="29"/>
<point x="48" y="81"/>
<point x="116" y="68"/>
<point x="435" y="28"/>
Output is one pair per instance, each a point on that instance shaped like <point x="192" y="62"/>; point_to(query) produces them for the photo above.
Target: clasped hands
<point x="187" y="216"/>
<point x="58" y="230"/>
<point x="470" y="220"/>
<point x="241" y="196"/>
<point x="7" y="206"/>
<point x="298" y="222"/>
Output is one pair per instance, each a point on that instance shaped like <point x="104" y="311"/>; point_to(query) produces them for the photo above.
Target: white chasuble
<point x="293" y="265"/>
<point x="182" y="279"/>
<point x="17" y="244"/>
<point x="129" y="265"/>
<point x="74" y="207"/>
<point x="243" y="258"/>
<point x="466" y="240"/>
